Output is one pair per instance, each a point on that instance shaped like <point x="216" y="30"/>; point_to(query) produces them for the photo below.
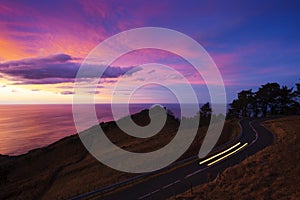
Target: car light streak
<point x="221" y="153"/>
<point x="241" y="147"/>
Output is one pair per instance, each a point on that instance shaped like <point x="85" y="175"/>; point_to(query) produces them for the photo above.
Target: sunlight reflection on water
<point x="26" y="127"/>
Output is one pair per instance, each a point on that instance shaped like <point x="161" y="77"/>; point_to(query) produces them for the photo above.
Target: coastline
<point x="45" y="170"/>
<point x="41" y="125"/>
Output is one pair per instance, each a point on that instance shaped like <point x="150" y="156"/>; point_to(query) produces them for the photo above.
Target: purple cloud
<point x="58" y="58"/>
<point x="43" y="81"/>
<point x="67" y="92"/>
<point x="59" y="68"/>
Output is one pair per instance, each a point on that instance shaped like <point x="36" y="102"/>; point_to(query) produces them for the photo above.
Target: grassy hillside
<point x="65" y="168"/>
<point x="273" y="173"/>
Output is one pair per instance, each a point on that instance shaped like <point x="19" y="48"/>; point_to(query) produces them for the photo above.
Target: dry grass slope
<point x="273" y="173"/>
<point x="65" y="168"/>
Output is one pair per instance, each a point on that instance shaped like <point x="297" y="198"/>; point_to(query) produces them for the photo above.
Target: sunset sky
<point x="42" y="44"/>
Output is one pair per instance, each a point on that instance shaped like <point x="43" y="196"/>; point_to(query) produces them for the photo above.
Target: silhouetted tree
<point x="245" y="98"/>
<point x="234" y="110"/>
<point x="285" y="100"/>
<point x="269" y="99"/>
<point x="297" y="92"/>
<point x="242" y="105"/>
<point x="205" y="114"/>
<point x="296" y="105"/>
<point x="205" y="110"/>
<point x="255" y="105"/>
<point x="266" y="98"/>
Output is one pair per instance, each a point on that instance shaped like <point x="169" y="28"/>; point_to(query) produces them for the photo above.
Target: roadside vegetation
<point x="270" y="99"/>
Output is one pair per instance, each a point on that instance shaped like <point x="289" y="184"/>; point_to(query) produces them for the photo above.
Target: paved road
<point x="254" y="138"/>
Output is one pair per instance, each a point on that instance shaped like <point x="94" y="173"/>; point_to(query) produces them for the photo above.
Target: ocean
<point x="26" y="127"/>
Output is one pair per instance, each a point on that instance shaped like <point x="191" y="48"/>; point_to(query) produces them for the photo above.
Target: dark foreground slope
<point x="65" y="168"/>
<point x="273" y="173"/>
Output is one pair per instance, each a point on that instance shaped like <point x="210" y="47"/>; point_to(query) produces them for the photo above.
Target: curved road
<point x="254" y="138"/>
